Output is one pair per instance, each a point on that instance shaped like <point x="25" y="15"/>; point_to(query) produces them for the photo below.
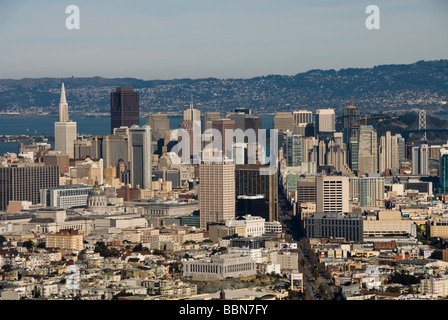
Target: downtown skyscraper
<point x="351" y="121"/>
<point x="443" y="171"/>
<point x="332" y="194"/>
<point x="249" y="181"/>
<point x="325" y="121"/>
<point x="367" y="150"/>
<point x="390" y="152"/>
<point x="420" y="159"/>
<point x="216" y="192"/>
<point x="292" y="149"/>
<point x="64" y="129"/>
<point x="140" y="156"/>
<point x="124" y="108"/>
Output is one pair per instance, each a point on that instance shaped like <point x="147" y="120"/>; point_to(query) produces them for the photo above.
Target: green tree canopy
<point x="28" y="244"/>
<point x="41" y="245"/>
<point x="403" y="278"/>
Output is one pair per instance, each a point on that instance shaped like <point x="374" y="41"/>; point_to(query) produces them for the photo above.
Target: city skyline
<point x="325" y="185"/>
<point x="208" y="39"/>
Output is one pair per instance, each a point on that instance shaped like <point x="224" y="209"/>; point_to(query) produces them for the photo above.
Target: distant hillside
<point x="382" y="89"/>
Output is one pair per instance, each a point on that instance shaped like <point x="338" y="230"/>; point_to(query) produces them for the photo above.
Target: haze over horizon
<point x="219" y="78"/>
<point x="197" y="39"/>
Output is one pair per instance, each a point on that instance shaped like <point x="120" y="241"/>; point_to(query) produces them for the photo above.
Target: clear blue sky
<point x="166" y="39"/>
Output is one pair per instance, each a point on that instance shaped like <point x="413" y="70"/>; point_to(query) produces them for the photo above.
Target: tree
<point x="292" y="294"/>
<point x="302" y="295"/>
<point x="7" y="267"/>
<point x="28" y="244"/>
<point x="36" y="293"/>
<point x="393" y="289"/>
<point x="403" y="278"/>
<point x="158" y="252"/>
<point x="437" y="254"/>
<point x="421" y="238"/>
<point x="2" y="240"/>
<point x="138" y="247"/>
<point x="41" y="245"/>
<point x="219" y="250"/>
<point x="322" y="290"/>
<point x="315" y="274"/>
<point x="104" y="251"/>
<point x="122" y="293"/>
<point x="176" y="267"/>
<point x="100" y="245"/>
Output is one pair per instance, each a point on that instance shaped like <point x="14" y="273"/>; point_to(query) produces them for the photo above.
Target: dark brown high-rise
<point x="124" y="108"/>
<point x="249" y="181"/>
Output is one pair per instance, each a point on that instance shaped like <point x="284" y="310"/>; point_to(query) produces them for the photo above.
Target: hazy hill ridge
<point x="385" y="88"/>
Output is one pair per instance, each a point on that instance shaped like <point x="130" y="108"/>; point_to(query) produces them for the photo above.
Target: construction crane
<point x="371" y="117"/>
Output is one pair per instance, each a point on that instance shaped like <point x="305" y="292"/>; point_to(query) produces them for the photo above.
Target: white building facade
<point x="254" y="226"/>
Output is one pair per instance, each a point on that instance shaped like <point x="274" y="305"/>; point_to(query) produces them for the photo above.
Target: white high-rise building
<point x="420" y="159"/>
<point x="63" y="106"/>
<point x="64" y="130"/>
<point x="368" y="190"/>
<point x="367" y="150"/>
<point x="302" y="117"/>
<point x="194" y="129"/>
<point x="325" y="120"/>
<point x="332" y="194"/>
<point x="192" y="114"/>
<point x="389" y="152"/>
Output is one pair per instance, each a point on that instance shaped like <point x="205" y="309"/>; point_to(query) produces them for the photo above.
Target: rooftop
<point x="72" y="186"/>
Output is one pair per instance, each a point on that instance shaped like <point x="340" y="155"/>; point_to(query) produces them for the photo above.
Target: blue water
<point x="36" y="127"/>
<point x="92" y="126"/>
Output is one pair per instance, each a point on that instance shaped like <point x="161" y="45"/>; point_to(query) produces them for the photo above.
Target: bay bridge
<point x="422" y="127"/>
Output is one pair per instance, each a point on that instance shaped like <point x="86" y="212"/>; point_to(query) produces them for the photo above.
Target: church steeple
<point x="63" y="106"/>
